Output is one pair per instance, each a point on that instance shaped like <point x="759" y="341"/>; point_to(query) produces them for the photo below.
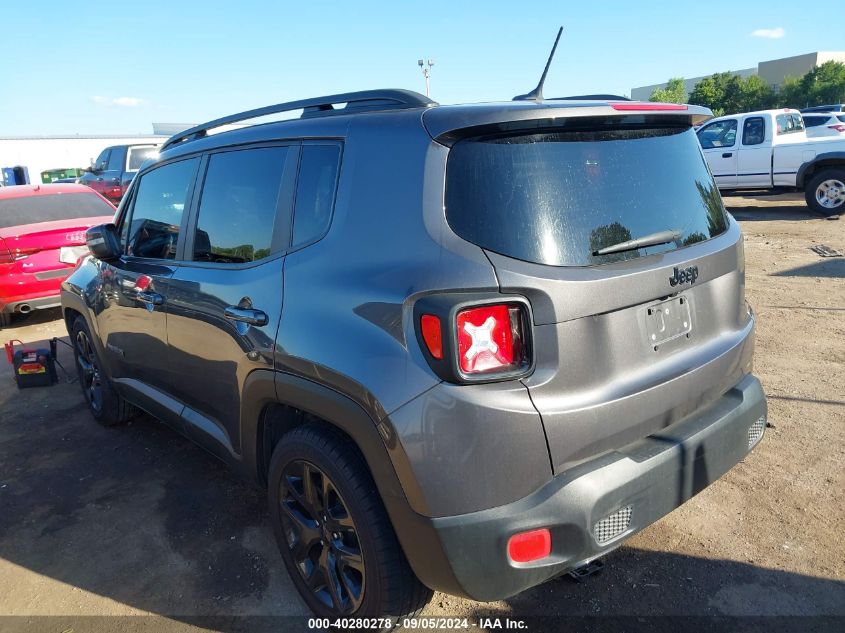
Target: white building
<point x="41" y="153"/>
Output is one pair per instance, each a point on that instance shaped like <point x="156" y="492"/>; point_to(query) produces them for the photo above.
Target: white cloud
<point x="772" y="34"/>
<point x="129" y="102"/>
<point x="126" y="102"/>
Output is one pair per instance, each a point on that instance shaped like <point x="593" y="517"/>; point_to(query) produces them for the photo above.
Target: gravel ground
<point x="98" y="523"/>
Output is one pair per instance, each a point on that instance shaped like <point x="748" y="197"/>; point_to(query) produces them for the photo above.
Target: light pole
<point x="425" y="67"/>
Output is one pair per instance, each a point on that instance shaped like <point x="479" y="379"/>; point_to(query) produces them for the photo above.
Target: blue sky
<point x="114" y="67"/>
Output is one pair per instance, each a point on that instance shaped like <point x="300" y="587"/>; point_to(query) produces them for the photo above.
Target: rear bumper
<point x="652" y="476"/>
<point x="38" y="303"/>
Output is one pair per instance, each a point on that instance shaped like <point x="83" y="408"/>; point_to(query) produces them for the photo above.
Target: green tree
<point x="757" y="94"/>
<point x="674" y="92"/>
<point x="710" y="92"/>
<point x="732" y="101"/>
<point x="825" y="84"/>
<point x="791" y="94"/>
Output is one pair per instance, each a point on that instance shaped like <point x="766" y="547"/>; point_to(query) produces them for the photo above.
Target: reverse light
<point x="526" y="547"/>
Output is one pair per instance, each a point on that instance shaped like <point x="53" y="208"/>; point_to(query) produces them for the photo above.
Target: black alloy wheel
<point x="322" y="537"/>
<point x="89" y="372"/>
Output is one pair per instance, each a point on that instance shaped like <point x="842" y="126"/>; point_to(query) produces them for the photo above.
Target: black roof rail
<point x="600" y="97"/>
<point x="363" y="101"/>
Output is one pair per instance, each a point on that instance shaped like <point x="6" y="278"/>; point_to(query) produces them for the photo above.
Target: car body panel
<point x="780" y="160"/>
<point x="111" y="178"/>
<point x="210" y="354"/>
<point x="34" y="278"/>
<point x="341" y="343"/>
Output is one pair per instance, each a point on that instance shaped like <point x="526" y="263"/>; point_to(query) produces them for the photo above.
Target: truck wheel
<point x="107" y="407"/>
<point x="825" y="192"/>
<point x="336" y="539"/>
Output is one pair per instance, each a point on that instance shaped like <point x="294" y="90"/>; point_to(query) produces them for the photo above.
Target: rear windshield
<point x="556" y="197"/>
<point x="47" y="208"/>
<point x="137" y="156"/>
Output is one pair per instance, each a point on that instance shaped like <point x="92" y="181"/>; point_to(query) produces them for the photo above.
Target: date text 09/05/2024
<point x="418" y="623"/>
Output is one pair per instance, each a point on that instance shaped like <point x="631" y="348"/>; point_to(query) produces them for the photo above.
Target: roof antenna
<point x="537" y="93"/>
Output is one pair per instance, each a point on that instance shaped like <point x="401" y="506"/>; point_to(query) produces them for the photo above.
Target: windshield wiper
<point x="661" y="237"/>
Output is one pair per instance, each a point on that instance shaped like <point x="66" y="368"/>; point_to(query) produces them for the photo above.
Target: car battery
<point x="33" y="367"/>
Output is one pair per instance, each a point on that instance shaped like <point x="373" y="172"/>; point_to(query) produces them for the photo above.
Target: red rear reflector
<point x="432" y="335"/>
<point x="529" y="546"/>
<point x="485" y="338"/>
<point x="838" y="128"/>
<point x="640" y="105"/>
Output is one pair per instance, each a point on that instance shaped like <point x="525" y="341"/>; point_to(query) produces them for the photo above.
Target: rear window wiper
<point x="661" y="237"/>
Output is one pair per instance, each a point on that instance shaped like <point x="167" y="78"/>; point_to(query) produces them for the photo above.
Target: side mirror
<point x="103" y="242"/>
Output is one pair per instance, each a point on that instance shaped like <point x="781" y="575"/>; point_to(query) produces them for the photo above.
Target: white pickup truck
<point x="770" y="150"/>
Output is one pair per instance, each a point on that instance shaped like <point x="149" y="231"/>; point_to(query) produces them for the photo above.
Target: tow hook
<point x="579" y="574"/>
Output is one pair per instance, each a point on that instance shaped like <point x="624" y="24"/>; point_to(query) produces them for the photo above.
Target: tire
<point x="104" y="403"/>
<point x="825" y="192"/>
<point x="336" y="527"/>
<point x="5" y="319"/>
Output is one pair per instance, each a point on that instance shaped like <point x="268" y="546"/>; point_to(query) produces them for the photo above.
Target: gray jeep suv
<point x="465" y="348"/>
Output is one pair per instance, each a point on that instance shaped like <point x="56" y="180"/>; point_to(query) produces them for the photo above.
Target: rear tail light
<point x="468" y="341"/>
<point x="11" y="255"/>
<point x="489" y="339"/>
<point x="838" y="127"/>
<point x="526" y="547"/>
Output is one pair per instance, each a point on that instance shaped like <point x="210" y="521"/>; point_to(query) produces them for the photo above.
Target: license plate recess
<point x="668" y="320"/>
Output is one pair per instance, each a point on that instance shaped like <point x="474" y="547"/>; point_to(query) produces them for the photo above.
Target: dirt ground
<point x="98" y="524"/>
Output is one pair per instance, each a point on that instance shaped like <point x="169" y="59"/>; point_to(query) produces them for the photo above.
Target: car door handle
<point x="149" y="298"/>
<point x="249" y="316"/>
<point x="727" y="154"/>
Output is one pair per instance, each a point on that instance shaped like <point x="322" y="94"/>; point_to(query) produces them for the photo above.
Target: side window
<point x="786" y="124"/>
<point x="718" y="134"/>
<point x="315" y="192"/>
<point x="813" y="121"/>
<point x="753" y="131"/>
<point x="160" y="199"/>
<point x="116" y="159"/>
<point x="238" y="206"/>
<point x="102" y="162"/>
<point x="137" y="156"/>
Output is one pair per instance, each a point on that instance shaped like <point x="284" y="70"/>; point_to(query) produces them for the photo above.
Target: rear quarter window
<point x="557" y="197"/>
<point x="315" y="192"/>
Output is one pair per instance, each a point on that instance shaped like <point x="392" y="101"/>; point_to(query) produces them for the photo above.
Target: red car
<point x="42" y="235"/>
